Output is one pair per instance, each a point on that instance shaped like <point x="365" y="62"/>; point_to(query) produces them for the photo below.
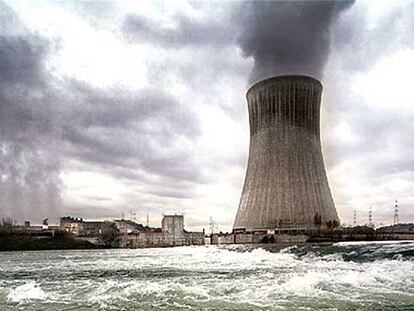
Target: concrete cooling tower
<point x="286" y="185"/>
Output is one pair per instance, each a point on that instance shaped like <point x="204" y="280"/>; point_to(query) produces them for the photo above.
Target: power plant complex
<point x="286" y="185"/>
<point x="285" y="198"/>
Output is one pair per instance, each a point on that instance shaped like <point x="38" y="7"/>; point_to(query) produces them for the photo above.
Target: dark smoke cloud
<point x="288" y="37"/>
<point x="29" y="169"/>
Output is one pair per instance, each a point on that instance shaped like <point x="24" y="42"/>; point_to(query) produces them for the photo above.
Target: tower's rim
<point x="281" y="78"/>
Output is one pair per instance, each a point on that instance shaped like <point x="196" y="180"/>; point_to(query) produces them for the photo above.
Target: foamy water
<point x="344" y="276"/>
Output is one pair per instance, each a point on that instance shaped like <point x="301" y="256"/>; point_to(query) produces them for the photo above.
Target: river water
<point x="343" y="276"/>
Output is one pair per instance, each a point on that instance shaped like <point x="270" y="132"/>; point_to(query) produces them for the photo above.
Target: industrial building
<point x="286" y="187"/>
<point x="134" y="235"/>
<point x="80" y="227"/>
<point x="172" y="233"/>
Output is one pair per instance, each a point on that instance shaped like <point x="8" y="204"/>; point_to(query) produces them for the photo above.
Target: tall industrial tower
<point x="286" y="184"/>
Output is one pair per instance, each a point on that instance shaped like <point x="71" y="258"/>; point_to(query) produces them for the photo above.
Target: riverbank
<point x="24" y="241"/>
<point x="350" y="234"/>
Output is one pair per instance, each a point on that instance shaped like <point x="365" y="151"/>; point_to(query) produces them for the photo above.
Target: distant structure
<point x="173" y="225"/>
<point x="370" y="223"/>
<point x="125" y="226"/>
<point x="172" y="233"/>
<point x="132" y="234"/>
<point x="211" y="223"/>
<point x="355" y="218"/>
<point x="80" y="227"/>
<point x="396" y="213"/>
<point x="286" y="184"/>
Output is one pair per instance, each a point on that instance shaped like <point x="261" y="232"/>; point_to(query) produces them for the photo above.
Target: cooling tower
<point x="286" y="184"/>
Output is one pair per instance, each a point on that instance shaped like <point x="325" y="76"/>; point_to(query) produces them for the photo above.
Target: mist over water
<point x="345" y="276"/>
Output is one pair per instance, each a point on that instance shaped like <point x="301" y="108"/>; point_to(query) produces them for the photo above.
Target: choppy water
<point x="345" y="276"/>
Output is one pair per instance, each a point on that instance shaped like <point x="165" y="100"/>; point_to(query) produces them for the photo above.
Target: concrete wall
<point x="226" y="239"/>
<point x="142" y="240"/>
<point x="194" y="238"/>
<point x="171" y="234"/>
<point x="249" y="238"/>
<point x="244" y="238"/>
<point x="287" y="238"/>
<point x="160" y="239"/>
<point x="286" y="184"/>
<point x="173" y="226"/>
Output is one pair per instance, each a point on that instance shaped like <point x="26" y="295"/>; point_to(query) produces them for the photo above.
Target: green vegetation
<point x="110" y="235"/>
<point x="6" y="225"/>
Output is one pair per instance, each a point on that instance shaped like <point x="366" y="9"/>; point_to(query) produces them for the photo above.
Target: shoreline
<point x="70" y="243"/>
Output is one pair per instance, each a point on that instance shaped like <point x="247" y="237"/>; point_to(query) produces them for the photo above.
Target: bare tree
<point x="6" y="225"/>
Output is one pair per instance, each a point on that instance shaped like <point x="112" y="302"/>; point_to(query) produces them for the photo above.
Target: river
<point x="342" y="276"/>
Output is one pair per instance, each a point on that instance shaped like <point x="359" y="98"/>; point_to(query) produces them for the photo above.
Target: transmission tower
<point x="147" y="220"/>
<point x="211" y="225"/>
<point x="396" y="213"/>
<point x="370" y="224"/>
<point x="355" y="220"/>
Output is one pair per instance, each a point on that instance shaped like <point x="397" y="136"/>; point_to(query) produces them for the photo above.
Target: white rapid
<point x="344" y="276"/>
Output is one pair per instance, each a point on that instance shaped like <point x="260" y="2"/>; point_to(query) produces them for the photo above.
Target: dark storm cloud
<point x="44" y="125"/>
<point x="24" y="100"/>
<point x="131" y="129"/>
<point x="122" y="108"/>
<point x="205" y="56"/>
<point x="188" y="31"/>
<point x="22" y="83"/>
<point x="288" y="37"/>
<point x="281" y="36"/>
<point x="30" y="184"/>
<point x="19" y="61"/>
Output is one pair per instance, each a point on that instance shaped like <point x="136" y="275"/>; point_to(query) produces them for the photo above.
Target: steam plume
<point x="288" y="37"/>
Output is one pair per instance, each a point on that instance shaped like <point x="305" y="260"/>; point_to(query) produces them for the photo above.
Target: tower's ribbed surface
<point x="286" y="184"/>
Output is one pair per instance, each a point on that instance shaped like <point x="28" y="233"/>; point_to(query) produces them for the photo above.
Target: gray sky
<point x="113" y="107"/>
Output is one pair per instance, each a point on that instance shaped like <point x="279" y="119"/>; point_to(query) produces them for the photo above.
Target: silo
<point x="286" y="185"/>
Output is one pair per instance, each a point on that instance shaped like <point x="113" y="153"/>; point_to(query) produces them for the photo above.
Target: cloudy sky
<point x="112" y="107"/>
